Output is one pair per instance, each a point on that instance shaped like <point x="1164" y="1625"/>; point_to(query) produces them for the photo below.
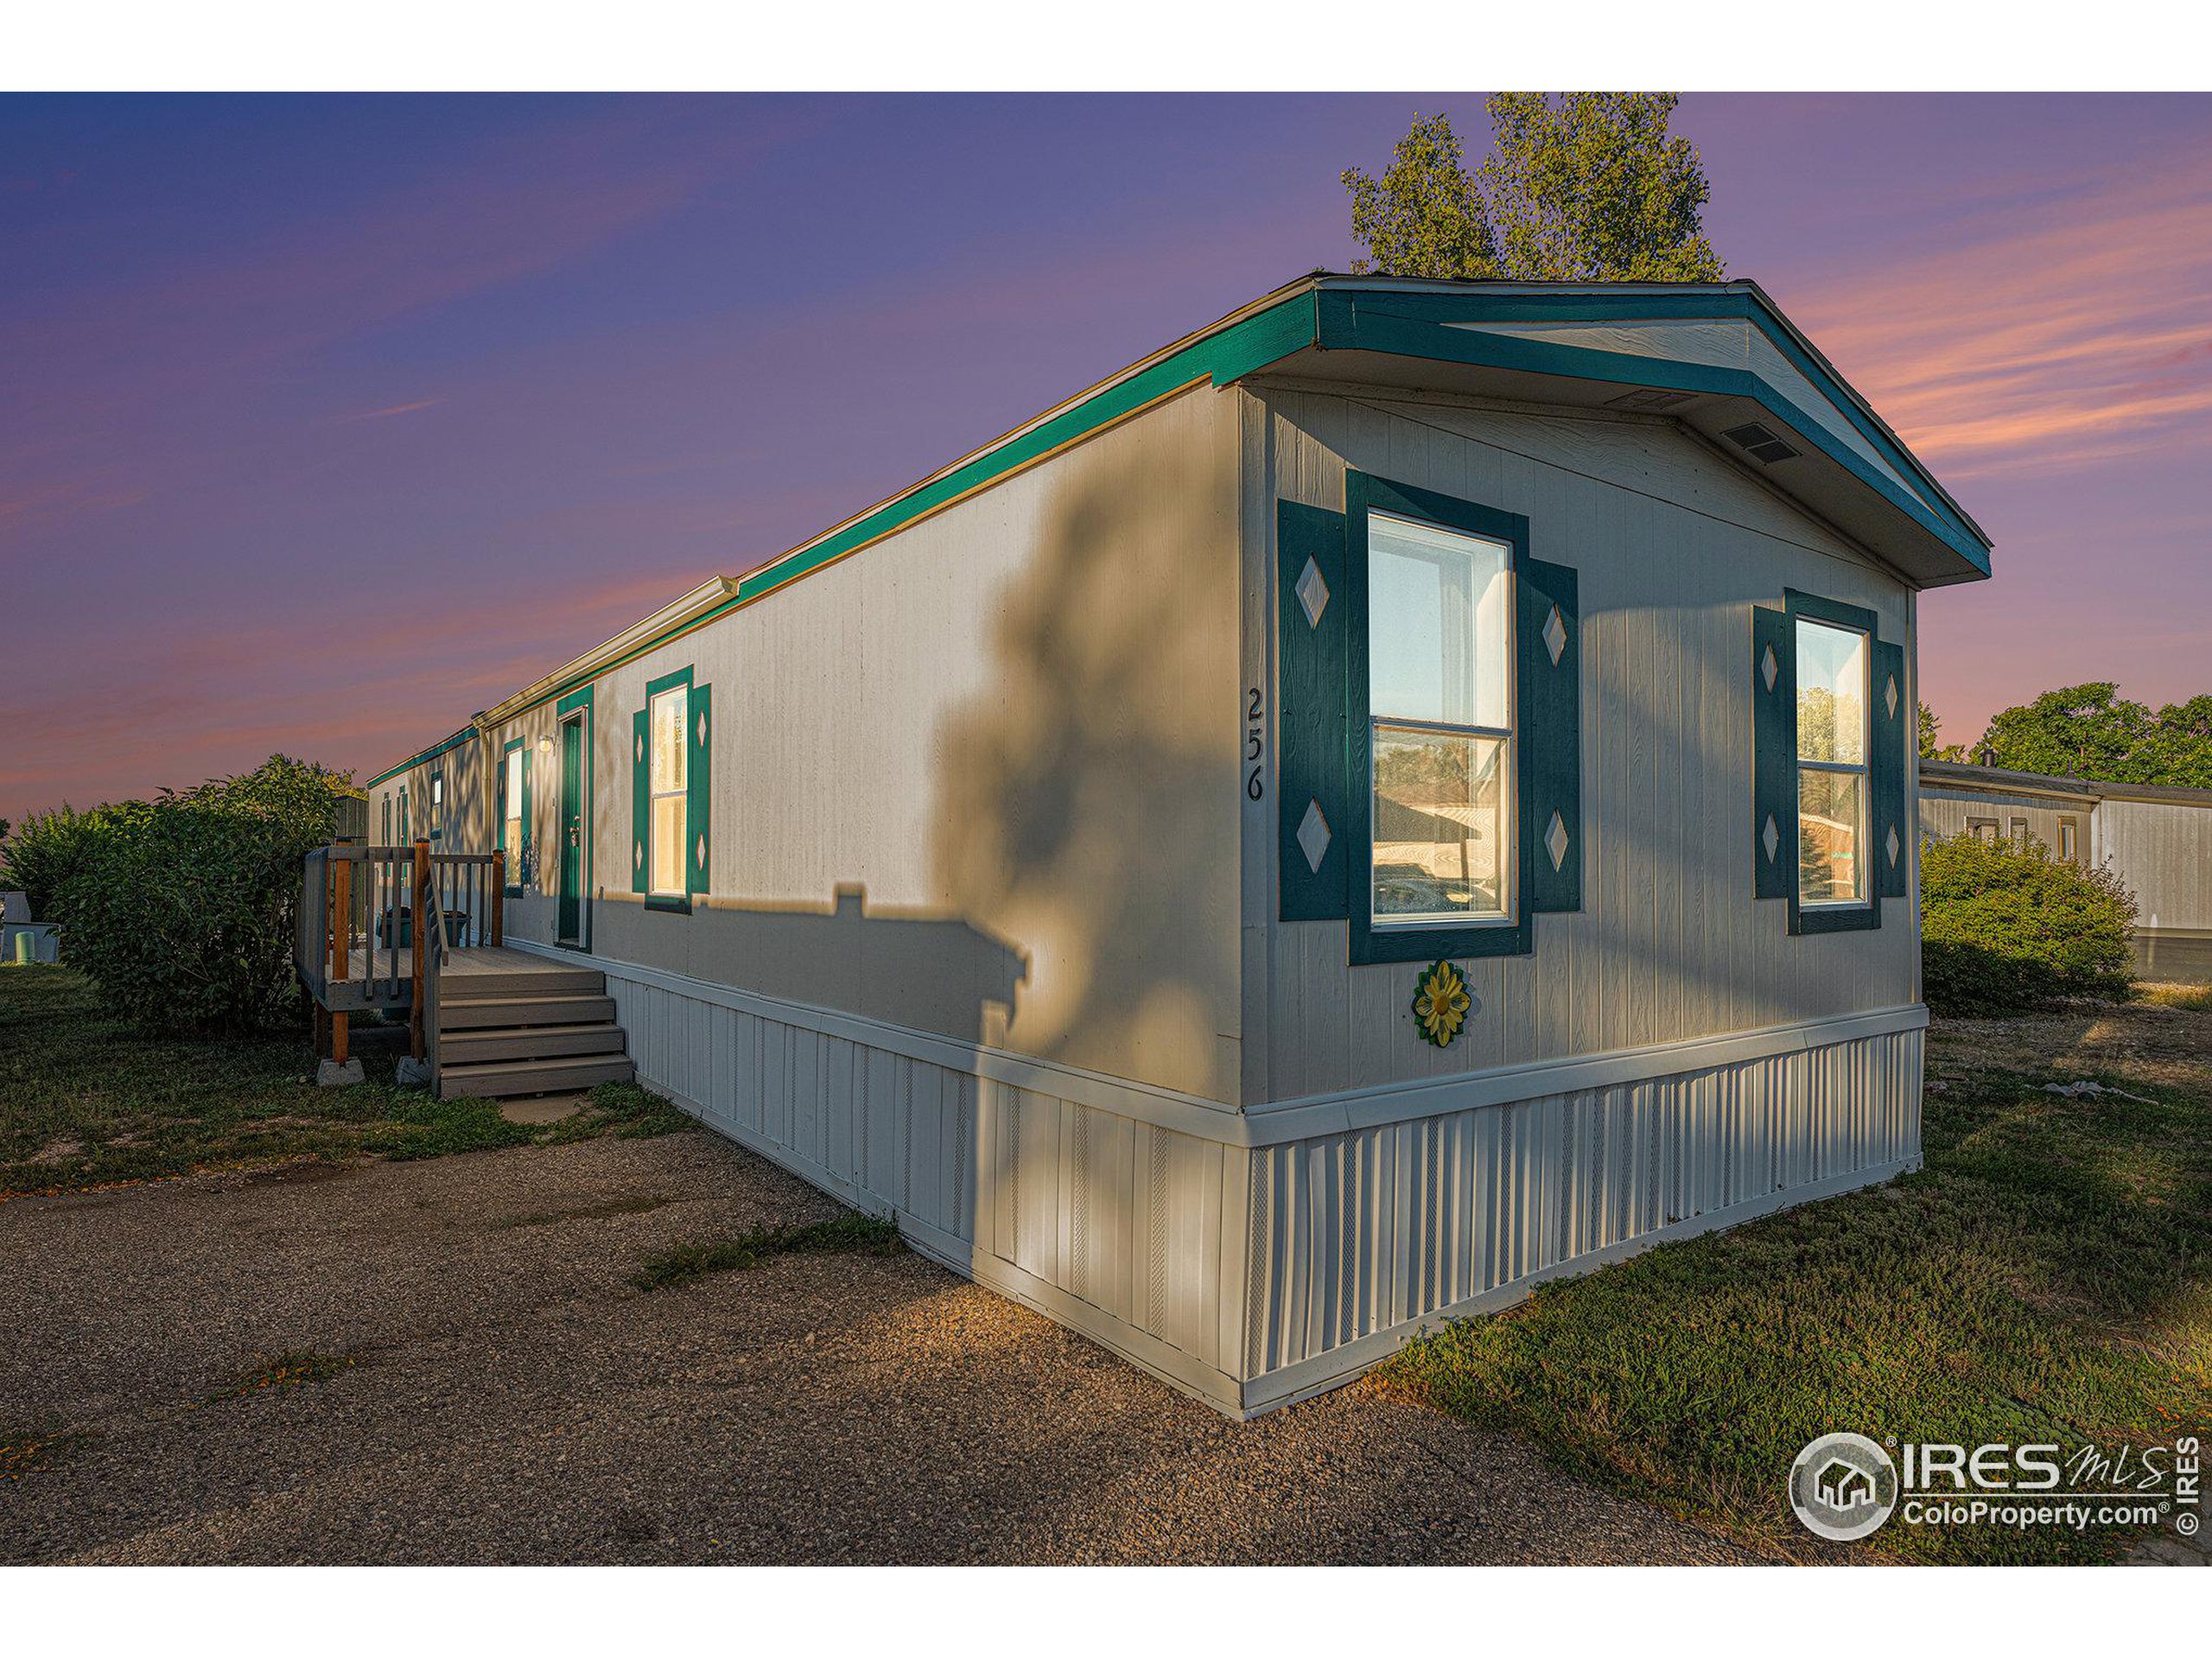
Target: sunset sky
<point x="325" y="422"/>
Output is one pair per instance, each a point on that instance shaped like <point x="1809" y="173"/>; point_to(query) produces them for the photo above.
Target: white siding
<point x="2162" y="850"/>
<point x="1008" y="735"/>
<point x="1673" y="548"/>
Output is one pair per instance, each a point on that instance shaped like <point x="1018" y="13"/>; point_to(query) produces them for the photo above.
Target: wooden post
<point x="342" y="946"/>
<point x="418" y="902"/>
<point x="500" y="896"/>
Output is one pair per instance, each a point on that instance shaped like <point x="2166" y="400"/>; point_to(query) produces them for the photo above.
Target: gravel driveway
<point x="511" y="1398"/>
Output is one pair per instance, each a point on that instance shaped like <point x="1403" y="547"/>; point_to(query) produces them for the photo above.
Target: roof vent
<point x="1760" y="443"/>
<point x="1646" y="399"/>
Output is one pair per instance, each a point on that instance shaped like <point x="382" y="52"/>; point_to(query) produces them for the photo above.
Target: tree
<point x="1425" y="218"/>
<point x="2078" y="731"/>
<point x="2179" y="748"/>
<point x="1580" y="186"/>
<point x="1931" y="728"/>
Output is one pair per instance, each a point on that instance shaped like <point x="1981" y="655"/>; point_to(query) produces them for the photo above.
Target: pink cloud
<point x="2048" y="333"/>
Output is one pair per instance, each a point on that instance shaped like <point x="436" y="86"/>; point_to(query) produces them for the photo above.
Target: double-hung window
<point x="1440" y="654"/>
<point x="1832" y="782"/>
<point x="511" y="823"/>
<point x="669" y="786"/>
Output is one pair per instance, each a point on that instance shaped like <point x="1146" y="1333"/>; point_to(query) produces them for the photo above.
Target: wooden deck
<point x="388" y="980"/>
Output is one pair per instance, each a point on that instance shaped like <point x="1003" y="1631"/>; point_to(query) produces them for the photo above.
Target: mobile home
<point x="1399" y="795"/>
<point x="2158" y="839"/>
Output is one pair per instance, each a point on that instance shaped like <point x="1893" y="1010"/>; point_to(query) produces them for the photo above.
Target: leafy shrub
<point x="2006" y="926"/>
<point x="182" y="909"/>
<point x="45" y="851"/>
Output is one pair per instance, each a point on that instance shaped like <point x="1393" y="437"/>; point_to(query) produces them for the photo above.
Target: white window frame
<point x="512" y="814"/>
<point x="1863" y="769"/>
<point x="655" y="793"/>
<point x="1508" y="854"/>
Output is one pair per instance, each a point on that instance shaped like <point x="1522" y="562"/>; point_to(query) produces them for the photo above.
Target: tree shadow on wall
<point x="1088" y="803"/>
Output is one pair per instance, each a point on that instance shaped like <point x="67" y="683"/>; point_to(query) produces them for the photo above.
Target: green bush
<point x="2006" y="927"/>
<point x="45" y="851"/>
<point x="182" y="909"/>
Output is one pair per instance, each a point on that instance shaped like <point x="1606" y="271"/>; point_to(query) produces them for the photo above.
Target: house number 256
<point x="1256" y="743"/>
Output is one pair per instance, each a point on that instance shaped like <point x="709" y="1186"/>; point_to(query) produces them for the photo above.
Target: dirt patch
<point x="517" y="1400"/>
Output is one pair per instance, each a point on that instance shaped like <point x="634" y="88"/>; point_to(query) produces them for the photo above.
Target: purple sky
<point x="327" y="421"/>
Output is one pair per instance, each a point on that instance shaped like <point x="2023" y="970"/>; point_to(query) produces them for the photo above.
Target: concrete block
<point x="331" y="1075"/>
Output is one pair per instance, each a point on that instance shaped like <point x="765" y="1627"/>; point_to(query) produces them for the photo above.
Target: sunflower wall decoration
<point x="1440" y="1003"/>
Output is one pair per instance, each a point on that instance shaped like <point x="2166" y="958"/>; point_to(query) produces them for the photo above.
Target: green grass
<point x="86" y="1101"/>
<point x="848" y="1234"/>
<point x="2046" y="1277"/>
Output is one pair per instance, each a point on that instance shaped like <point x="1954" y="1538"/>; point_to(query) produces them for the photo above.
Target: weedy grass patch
<point x="2046" y="1277"/>
<point x="287" y="1371"/>
<point x="89" y="1100"/>
<point x="848" y="1234"/>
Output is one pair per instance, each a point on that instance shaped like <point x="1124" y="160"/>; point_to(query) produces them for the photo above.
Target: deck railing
<point x="376" y="923"/>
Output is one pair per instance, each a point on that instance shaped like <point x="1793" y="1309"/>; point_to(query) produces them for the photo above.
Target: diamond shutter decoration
<point x="1311" y="784"/>
<point x="641" y="804"/>
<point x="1895" y="747"/>
<point x="1774" y="755"/>
<point x="698" y="794"/>
<point x="1551" y="731"/>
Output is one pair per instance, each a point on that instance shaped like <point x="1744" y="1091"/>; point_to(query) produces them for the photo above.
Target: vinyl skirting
<point x="1254" y="1274"/>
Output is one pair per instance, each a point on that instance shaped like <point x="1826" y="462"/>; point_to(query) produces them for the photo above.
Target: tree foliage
<point x="1425" y="217"/>
<point x="2091" y="732"/>
<point x="45" y="851"/>
<point x="181" y="910"/>
<point x="1578" y="186"/>
<point x="2006" y="926"/>
<point x="1931" y="746"/>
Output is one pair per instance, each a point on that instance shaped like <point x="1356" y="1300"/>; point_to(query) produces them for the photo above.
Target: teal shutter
<point x="698" y="790"/>
<point x="641" y="806"/>
<point x="1774" y="755"/>
<point x="1313" y="786"/>
<point x="1550" y="649"/>
<point x="1894" y="750"/>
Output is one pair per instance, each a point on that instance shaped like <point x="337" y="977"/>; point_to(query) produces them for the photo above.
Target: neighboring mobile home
<point x="2156" y="840"/>
<point x="1401" y="794"/>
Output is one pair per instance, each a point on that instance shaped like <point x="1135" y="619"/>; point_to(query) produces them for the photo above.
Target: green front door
<point x="572" y="830"/>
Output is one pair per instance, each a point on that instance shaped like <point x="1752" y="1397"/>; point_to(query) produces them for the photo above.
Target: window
<point x="669" y="787"/>
<point x="1983" y="830"/>
<point x="437" y="805"/>
<point x="1439" y="650"/>
<point x="513" y="819"/>
<point x="2020" y="830"/>
<point x="1831" y="772"/>
<point x="2069" y="839"/>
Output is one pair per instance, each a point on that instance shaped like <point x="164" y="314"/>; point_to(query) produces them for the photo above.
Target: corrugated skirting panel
<point x="1356" y="1238"/>
<point x="1131" y="1233"/>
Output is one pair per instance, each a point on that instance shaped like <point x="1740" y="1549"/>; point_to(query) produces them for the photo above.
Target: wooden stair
<point x="543" y="1031"/>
